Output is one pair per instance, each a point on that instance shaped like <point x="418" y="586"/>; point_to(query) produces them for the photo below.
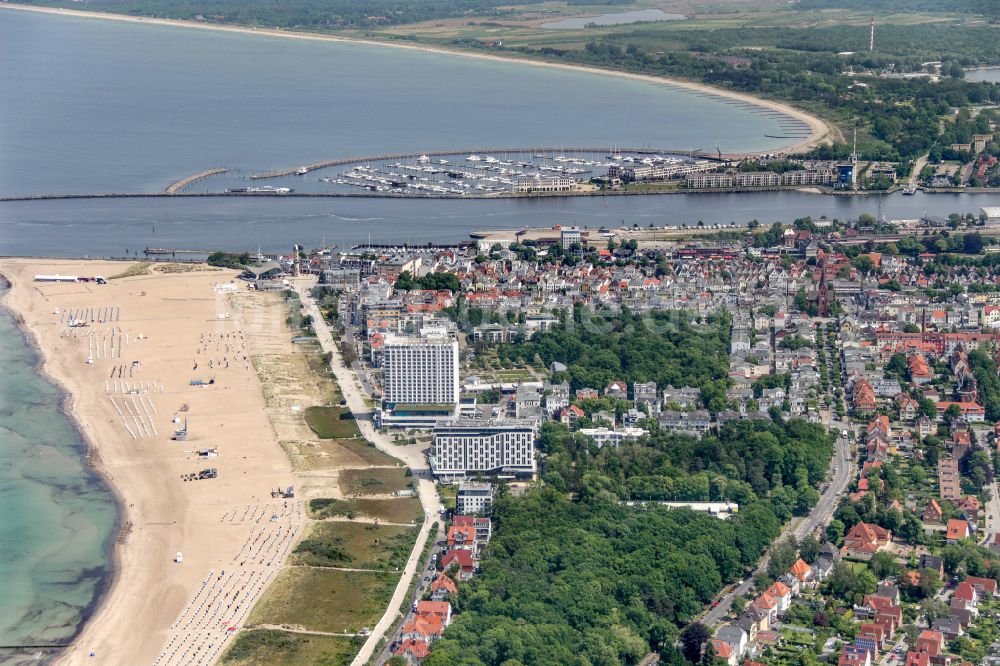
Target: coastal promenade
<point x="412" y="456"/>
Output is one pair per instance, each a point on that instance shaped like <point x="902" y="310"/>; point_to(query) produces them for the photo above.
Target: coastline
<point x="820" y="131"/>
<point x="159" y="515"/>
<point x="91" y="457"/>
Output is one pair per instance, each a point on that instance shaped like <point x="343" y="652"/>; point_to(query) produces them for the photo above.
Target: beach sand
<point x="820" y="131"/>
<point x="229" y="524"/>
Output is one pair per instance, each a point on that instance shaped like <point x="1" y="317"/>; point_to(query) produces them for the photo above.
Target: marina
<point x="484" y="173"/>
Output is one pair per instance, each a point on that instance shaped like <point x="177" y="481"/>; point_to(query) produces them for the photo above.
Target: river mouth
<point x="57" y="514"/>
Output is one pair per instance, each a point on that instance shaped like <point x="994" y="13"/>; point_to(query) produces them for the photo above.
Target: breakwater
<point x="176" y="186"/>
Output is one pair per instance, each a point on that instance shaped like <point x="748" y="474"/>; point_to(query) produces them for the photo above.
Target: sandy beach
<point x="129" y="373"/>
<point x="820" y="131"/>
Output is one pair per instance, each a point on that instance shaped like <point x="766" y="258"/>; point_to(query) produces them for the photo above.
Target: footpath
<point x="411" y="456"/>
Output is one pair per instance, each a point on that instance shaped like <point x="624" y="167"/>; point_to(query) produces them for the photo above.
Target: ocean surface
<point x="116" y="227"/>
<point x="57" y="517"/>
<point x="92" y="105"/>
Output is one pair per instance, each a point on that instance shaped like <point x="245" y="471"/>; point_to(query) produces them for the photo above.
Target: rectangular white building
<point x="420" y="380"/>
<point x="504" y="448"/>
<point x="474" y="497"/>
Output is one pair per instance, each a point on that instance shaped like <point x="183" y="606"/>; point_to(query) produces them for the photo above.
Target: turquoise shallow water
<point x="57" y="517"/>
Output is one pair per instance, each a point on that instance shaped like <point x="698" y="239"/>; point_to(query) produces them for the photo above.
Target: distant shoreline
<point x="820" y="131"/>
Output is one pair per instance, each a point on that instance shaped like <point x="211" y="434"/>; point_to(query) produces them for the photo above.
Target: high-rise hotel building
<point x="420" y="380"/>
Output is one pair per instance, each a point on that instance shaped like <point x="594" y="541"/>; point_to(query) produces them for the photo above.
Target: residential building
<point x="474" y="498"/>
<point x="614" y="436"/>
<point x="864" y="540"/>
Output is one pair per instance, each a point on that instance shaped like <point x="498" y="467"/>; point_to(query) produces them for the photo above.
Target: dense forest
<point x="985" y="370"/>
<point x="591" y="580"/>
<point x="663" y="347"/>
<point x="435" y="281"/>
<point x="744" y="462"/>
<point x="594" y="582"/>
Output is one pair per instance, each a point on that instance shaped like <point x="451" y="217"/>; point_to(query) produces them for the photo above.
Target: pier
<point x="175" y="187"/>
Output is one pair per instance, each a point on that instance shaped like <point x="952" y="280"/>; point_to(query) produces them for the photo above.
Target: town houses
<point x="429" y="617"/>
<point x="889" y="340"/>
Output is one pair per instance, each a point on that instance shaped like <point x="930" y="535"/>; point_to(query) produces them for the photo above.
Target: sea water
<point x="93" y="105"/>
<point x="57" y="516"/>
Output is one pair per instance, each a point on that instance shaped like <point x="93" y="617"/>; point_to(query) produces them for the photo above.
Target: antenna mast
<point x="871" y="40"/>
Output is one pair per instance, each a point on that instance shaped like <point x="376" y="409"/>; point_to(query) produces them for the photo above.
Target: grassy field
<point x="399" y="510"/>
<point x="133" y="270"/>
<point x="324" y="599"/>
<point x="525" y="29"/>
<point x="378" y="481"/>
<point x="355" y="546"/>
<point x="265" y="647"/>
<point x="332" y="422"/>
<point x="334" y="453"/>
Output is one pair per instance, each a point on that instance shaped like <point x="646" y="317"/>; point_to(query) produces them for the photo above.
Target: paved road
<point x="895" y="654"/>
<point x="992" y="509"/>
<point x="411" y="456"/>
<point x="918" y="166"/>
<point x="818" y="517"/>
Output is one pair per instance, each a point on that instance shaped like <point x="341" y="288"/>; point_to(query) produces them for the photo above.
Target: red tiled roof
<point x="417" y="647"/>
<point x="443" y="582"/>
<point x="957" y="529"/>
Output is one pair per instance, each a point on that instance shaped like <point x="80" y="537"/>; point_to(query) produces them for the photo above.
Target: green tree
<point x="809" y="549"/>
<point x="883" y="565"/>
<point x="693" y="640"/>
